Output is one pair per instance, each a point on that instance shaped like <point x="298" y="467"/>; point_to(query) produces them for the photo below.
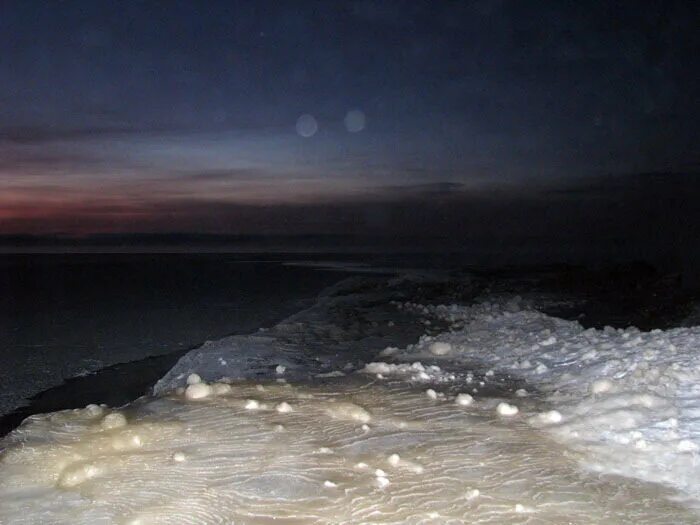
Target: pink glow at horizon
<point x="222" y="182"/>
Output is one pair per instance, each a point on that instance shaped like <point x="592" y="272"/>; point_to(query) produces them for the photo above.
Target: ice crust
<point x="629" y="400"/>
<point x="487" y="418"/>
<point x="211" y="460"/>
<point x="350" y="320"/>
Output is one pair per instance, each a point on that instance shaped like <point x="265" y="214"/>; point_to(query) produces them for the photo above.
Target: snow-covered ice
<point x="627" y="400"/>
<point x="178" y="460"/>
<point x="560" y="424"/>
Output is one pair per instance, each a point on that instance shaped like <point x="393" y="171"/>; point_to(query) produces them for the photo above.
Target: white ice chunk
<point x="382" y="482"/>
<point x="464" y="399"/>
<point x="505" y="409"/>
<point x="348" y="411"/>
<point x="284" y="407"/>
<point x="440" y="348"/>
<point x="252" y="404"/>
<point x="113" y="420"/>
<point x="198" y="391"/>
<point x="193" y="379"/>
<point x="472" y="494"/>
<point x="602" y="386"/>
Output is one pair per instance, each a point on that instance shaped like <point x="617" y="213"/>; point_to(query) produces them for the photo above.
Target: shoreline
<point x="455" y="334"/>
<point x="122" y="383"/>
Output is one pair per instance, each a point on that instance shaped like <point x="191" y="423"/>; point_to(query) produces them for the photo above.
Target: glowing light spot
<point x="355" y="121"/>
<point x="306" y="126"/>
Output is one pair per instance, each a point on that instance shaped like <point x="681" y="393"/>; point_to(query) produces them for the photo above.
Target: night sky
<point x="458" y="118"/>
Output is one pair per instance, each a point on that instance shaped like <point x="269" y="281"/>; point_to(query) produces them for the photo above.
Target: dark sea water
<point x="63" y="316"/>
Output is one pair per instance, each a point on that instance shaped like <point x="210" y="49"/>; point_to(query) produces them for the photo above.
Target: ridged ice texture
<point x="350" y="322"/>
<point x="627" y="400"/>
<point x="348" y="451"/>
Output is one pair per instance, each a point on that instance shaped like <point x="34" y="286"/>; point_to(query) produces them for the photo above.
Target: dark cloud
<point x="39" y="135"/>
<point x="226" y="175"/>
<point x="490" y="117"/>
<point x="657" y="186"/>
<point x="653" y="217"/>
<point x="431" y="188"/>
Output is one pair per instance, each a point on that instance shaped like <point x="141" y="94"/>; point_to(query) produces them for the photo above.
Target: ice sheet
<point x="628" y="400"/>
<point x="333" y="416"/>
<point x="343" y="452"/>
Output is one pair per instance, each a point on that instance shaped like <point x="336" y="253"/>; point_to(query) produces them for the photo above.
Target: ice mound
<point x="312" y="422"/>
<point x="237" y="357"/>
<point x="349" y="452"/>
<point x="628" y="400"/>
<point x="355" y="317"/>
<point x="416" y="371"/>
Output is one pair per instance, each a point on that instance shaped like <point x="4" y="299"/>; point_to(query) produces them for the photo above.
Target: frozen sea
<point x="403" y="393"/>
<point x="67" y="315"/>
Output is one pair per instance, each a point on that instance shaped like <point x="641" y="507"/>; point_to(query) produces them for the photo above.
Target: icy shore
<point x="628" y="400"/>
<point x="380" y="405"/>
